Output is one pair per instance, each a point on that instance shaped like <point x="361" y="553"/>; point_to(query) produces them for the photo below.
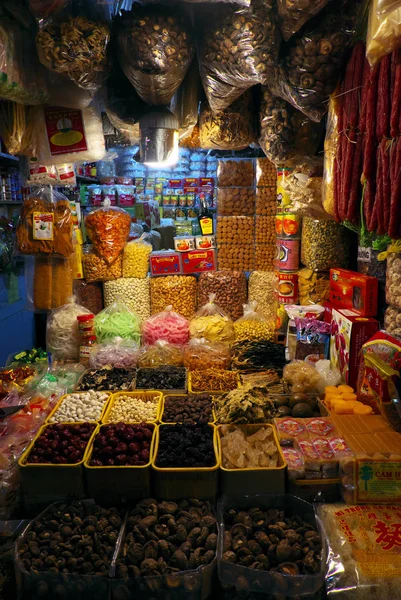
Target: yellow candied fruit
<point x="343" y="408"/>
<point x="345" y="389"/>
<point x="363" y="409"/>
<point x="330" y="389"/>
<point x="349" y="397"/>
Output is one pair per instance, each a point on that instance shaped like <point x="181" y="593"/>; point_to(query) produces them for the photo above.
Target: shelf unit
<point x="83" y="179"/>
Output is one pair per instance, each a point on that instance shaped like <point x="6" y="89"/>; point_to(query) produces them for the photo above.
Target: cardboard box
<point x="165" y="263"/>
<point x="349" y="331"/>
<point x="354" y="291"/>
<point x="198" y="261"/>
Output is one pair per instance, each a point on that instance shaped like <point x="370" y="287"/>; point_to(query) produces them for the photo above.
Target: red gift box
<point x="354" y="291"/>
<point x="198" y="261"/>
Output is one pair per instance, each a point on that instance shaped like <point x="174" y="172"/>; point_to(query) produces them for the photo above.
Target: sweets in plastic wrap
<point x="166" y="325"/>
<point x="117" y="320"/>
<point x="200" y="353"/>
<point x="212" y="323"/>
<point x="62" y="334"/>
<point x="108" y="230"/>
<point x="136" y="258"/>
<point x="46" y="224"/>
<point x="178" y="292"/>
<point x="160" y="354"/>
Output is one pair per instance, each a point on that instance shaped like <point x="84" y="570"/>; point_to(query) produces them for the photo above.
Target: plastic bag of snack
<point x="325" y="244"/>
<point x="42" y="9"/>
<point x="62" y="334"/>
<point x="314" y="287"/>
<point x="136" y="258"/>
<point x="108" y="229"/>
<point x="313" y="340"/>
<point x="201" y="353"/>
<point x="55" y="147"/>
<point x="178" y="292"/>
<point x="212" y="323"/>
<point x="117" y="320"/>
<point x="155" y="50"/>
<point x="97" y="269"/>
<point x="294" y="312"/>
<point x="285" y="132"/>
<point x="64" y="92"/>
<point x="229" y="129"/>
<point x="311" y="65"/>
<point x="119" y="352"/>
<point x="168" y="326"/>
<point x="236" y="52"/>
<point x="52" y="282"/>
<point x="77" y="47"/>
<point x="230" y="290"/>
<point x="89" y="295"/>
<point x="329" y="162"/>
<point x="160" y="354"/>
<point x="185" y="102"/>
<point x="293" y="15"/>
<point x="46" y="224"/>
<point x="302" y="377"/>
<point x="123" y="105"/>
<point x="384" y="33"/>
<point x="253" y="325"/>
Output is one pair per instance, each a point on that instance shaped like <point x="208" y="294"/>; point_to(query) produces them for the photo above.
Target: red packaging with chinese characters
<point x="349" y="331"/>
<point x="198" y="261"/>
<point x="165" y="263"/>
<point x="354" y="291"/>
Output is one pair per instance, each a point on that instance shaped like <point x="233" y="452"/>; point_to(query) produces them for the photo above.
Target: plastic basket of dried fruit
<point x="194" y="584"/>
<point x="173" y="391"/>
<point x="141" y="395"/>
<point x="165" y="396"/>
<point x="214" y="392"/>
<point x="45" y="585"/>
<point x="59" y="403"/>
<point x="43" y="483"/>
<point x="130" y="384"/>
<point x="256" y="581"/>
<point x="175" y="483"/>
<point x="268" y="480"/>
<point x="114" y="483"/>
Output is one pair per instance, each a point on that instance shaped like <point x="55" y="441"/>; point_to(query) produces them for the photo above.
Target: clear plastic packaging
<point x="42" y="9"/>
<point x="185" y="102"/>
<point x="313" y="340"/>
<point x="229" y="129"/>
<point x="261" y="286"/>
<point x="253" y="325"/>
<point x="234" y="57"/>
<point x="136" y="258"/>
<point x="236" y="230"/>
<point x="393" y="279"/>
<point x="166" y="325"/>
<point x="235" y="257"/>
<point x="392" y="321"/>
<point x="311" y="66"/>
<point x="136" y="294"/>
<point x="117" y="320"/>
<point x="62" y="334"/>
<point x="123" y="105"/>
<point x="325" y="245"/>
<point x="294" y="15"/>
<point x="314" y="287"/>
<point x="155" y="50"/>
<point x="63" y="92"/>
<point x="383" y="34"/>
<point x="235" y="173"/>
<point x="178" y="292"/>
<point x="89" y="146"/>
<point x="89" y="295"/>
<point x="229" y="288"/>
<point x="52" y="282"/>
<point x="118" y="352"/>
<point x="97" y="269"/>
<point x="77" y="47"/>
<point x="161" y="354"/>
<point x="235" y="201"/>
<point x="108" y="229"/>
<point x="201" y="353"/>
<point x="285" y="133"/>
<point x="329" y="161"/>
<point x="212" y="323"/>
<point x="46" y="224"/>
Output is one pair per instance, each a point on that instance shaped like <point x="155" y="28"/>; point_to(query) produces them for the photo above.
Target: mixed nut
<point x="107" y="379"/>
<point x="270" y="540"/>
<point x="185" y="446"/>
<point x="119" y="444"/>
<point x="162" y="378"/>
<point x="164" y="538"/>
<point x="189" y="410"/>
<point x="61" y="444"/>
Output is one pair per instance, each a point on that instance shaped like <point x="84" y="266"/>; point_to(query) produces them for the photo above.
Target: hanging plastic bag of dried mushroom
<point x="155" y="50"/>
<point x="284" y="131"/>
<point x="294" y="14"/>
<point x="229" y="129"/>
<point x="237" y="50"/>
<point x="313" y="58"/>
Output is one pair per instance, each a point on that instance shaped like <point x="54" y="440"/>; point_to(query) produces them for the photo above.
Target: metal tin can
<point x="286" y="287"/>
<point x="287" y="254"/>
<point x="279" y="224"/>
<point x="291" y="227"/>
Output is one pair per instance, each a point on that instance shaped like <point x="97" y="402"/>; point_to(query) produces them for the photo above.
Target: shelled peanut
<point x="133" y="409"/>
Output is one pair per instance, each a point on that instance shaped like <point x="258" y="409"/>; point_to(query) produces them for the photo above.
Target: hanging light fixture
<point x="159" y="138"/>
